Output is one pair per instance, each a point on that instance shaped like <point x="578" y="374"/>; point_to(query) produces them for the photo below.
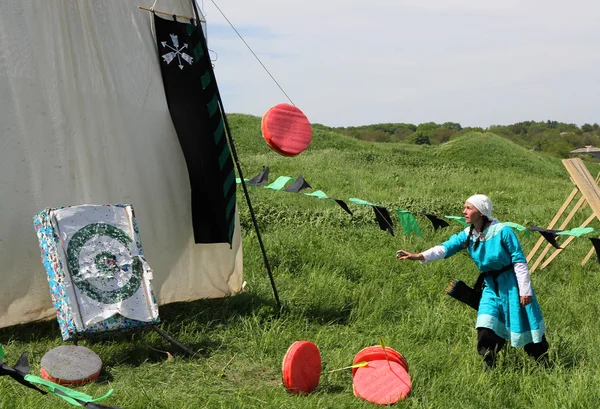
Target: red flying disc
<point x="382" y="382"/>
<point x="70" y="365"/>
<point x="286" y="129"/>
<point x="301" y="367"/>
<point x="375" y="353"/>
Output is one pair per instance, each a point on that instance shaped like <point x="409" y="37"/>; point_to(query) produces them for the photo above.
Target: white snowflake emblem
<point x="176" y="52"/>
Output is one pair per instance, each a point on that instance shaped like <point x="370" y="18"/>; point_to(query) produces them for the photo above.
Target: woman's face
<point x="472" y="215"/>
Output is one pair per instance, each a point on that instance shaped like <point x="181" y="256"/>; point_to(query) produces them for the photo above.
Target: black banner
<point x="196" y="111"/>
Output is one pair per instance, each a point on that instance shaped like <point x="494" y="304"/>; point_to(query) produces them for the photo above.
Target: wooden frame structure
<point x="590" y="195"/>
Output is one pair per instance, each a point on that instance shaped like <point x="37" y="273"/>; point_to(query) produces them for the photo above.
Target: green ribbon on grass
<point x="67" y="394"/>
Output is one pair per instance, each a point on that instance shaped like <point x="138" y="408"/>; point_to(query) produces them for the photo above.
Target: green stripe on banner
<point x="360" y="202"/>
<point x="213" y="105"/>
<point x="223" y="157"/>
<point x="205" y="80"/>
<point x="279" y="183"/>
<point x="577" y="231"/>
<point x="461" y="220"/>
<point x="228" y="182"/>
<point x="409" y="222"/>
<point x="230" y="206"/>
<point x="219" y="132"/>
<point x="319" y="193"/>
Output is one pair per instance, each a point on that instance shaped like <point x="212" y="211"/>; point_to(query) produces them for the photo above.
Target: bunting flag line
<point x="596" y="242"/>
<point x="435" y="220"/>
<point x="549" y="235"/>
<point x="383" y="219"/>
<point x="298" y="185"/>
<point x="259" y="180"/>
<point x="407" y="218"/>
<point x="344" y="206"/>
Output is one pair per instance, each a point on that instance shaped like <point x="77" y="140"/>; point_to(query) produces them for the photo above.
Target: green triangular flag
<point x="319" y="193"/>
<point x="517" y="227"/>
<point x="279" y="183"/>
<point x="461" y="220"/>
<point x="361" y="202"/>
<point x="1" y="352"/>
<point x="577" y="231"/>
<point x="409" y="222"/>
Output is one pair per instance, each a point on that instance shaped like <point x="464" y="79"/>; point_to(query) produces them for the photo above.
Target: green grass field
<point x="342" y="288"/>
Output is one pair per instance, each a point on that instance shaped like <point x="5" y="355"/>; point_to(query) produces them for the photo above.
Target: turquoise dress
<point x="500" y="309"/>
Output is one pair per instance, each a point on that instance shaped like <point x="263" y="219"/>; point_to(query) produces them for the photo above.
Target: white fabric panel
<point x="83" y="119"/>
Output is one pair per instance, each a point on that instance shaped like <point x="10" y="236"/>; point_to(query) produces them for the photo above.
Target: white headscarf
<point x="483" y="204"/>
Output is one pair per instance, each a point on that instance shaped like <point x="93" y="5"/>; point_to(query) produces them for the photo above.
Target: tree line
<point x="553" y="137"/>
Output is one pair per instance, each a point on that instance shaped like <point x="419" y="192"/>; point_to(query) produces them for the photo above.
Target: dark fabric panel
<point x="192" y="97"/>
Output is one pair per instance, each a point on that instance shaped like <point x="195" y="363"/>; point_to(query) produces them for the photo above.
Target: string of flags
<point x="406" y="218"/>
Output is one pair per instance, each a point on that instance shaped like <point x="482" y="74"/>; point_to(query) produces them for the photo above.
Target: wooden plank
<point x="584" y="181"/>
<point x="566" y="243"/>
<point x="588" y="256"/>
<point x="564" y="224"/>
<point x="553" y="222"/>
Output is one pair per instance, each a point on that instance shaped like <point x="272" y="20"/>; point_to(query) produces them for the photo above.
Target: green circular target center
<point x="106" y="263"/>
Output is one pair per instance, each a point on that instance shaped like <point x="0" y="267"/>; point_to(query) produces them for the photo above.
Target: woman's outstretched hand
<point x="405" y="255"/>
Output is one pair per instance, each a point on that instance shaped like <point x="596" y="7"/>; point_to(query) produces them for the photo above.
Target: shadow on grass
<point x="188" y="323"/>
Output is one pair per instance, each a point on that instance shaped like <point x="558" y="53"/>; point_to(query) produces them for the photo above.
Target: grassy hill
<point x="342" y="288"/>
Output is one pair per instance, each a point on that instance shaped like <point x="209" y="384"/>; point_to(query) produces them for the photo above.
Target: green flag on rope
<point x="577" y="231"/>
<point x="517" y="227"/>
<point x="279" y="183"/>
<point x="409" y="222"/>
<point x="319" y="193"/>
<point x="360" y="201"/>
<point x="461" y="220"/>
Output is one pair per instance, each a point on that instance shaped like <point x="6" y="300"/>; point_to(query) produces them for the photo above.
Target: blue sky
<point x="346" y="63"/>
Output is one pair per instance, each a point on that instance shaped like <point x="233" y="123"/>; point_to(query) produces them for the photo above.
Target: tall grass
<point x="342" y="288"/>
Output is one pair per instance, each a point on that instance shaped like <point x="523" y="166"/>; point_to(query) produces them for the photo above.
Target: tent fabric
<point x="84" y="119"/>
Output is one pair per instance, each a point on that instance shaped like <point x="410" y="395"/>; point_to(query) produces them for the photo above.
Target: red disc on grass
<point x="301" y="367"/>
<point x="382" y="382"/>
<point x="376" y="353"/>
<point x="70" y="365"/>
<point x="286" y="129"/>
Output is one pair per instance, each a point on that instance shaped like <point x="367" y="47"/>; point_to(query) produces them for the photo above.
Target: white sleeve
<point x="434" y="253"/>
<point x="523" y="279"/>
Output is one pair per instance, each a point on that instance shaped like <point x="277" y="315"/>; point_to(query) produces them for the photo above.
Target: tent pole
<point x="241" y="175"/>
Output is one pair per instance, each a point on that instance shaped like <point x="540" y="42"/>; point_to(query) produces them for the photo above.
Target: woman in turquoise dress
<point x="508" y="309"/>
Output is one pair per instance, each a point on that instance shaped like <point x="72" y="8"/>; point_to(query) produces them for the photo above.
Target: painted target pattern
<point x="101" y="264"/>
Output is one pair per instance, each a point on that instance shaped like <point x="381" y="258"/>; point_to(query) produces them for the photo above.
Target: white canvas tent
<point x="83" y="119"/>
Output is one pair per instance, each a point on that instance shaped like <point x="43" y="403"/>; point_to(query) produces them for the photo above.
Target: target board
<point x="98" y="276"/>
